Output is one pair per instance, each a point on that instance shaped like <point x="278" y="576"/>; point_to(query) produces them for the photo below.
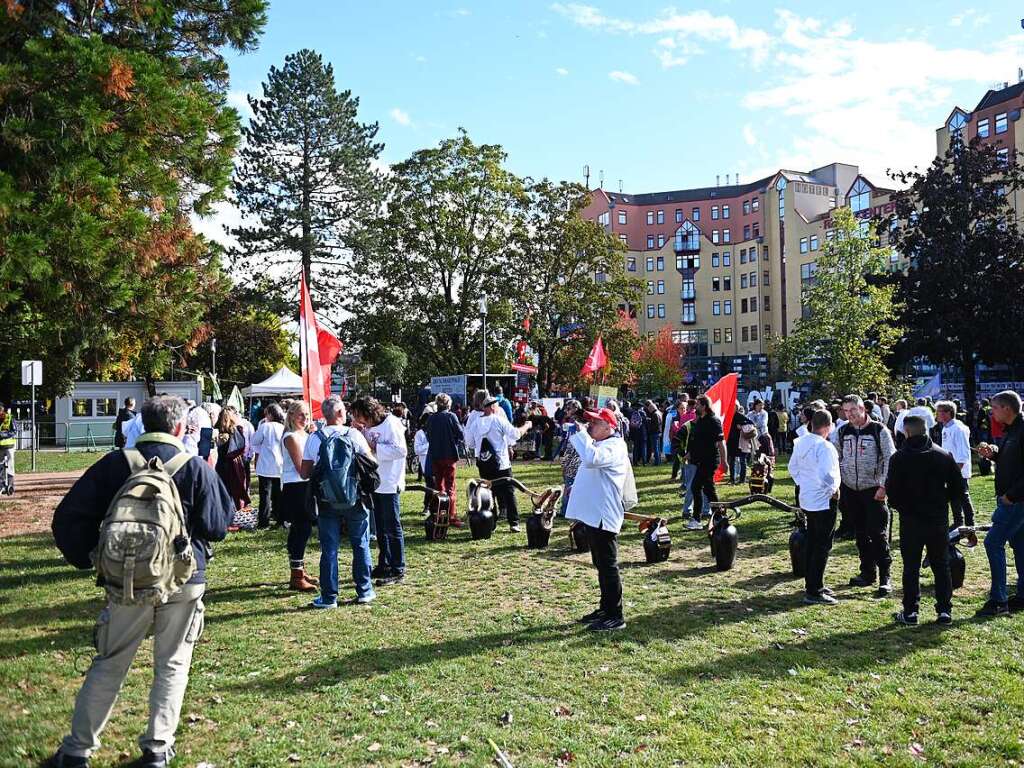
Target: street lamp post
<point x="483" y="348"/>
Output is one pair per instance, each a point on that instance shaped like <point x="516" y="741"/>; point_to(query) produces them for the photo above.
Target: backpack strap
<point x="176" y="463"/>
<point x="136" y="461"/>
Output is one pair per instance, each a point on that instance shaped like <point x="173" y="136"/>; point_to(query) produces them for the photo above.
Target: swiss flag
<point x="330" y="347"/>
<point x="596" y="360"/>
<point x="723" y="402"/>
<point x="313" y="389"/>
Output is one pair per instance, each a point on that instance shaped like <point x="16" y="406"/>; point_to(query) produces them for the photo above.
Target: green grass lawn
<point x="714" y="669"/>
<point x="56" y="461"/>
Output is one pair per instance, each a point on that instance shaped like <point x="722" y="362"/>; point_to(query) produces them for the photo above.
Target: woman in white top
<point x="298" y="506"/>
<point x="421" y="445"/>
<point x="266" y="447"/>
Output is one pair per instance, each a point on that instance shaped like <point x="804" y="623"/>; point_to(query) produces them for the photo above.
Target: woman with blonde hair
<point x="231" y="444"/>
<point x="298" y="504"/>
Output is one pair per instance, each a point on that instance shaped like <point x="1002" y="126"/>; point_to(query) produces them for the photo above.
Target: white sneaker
<point x="693" y="525"/>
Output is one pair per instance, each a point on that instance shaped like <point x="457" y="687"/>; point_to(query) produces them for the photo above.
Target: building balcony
<point x="688" y="244"/>
<point x="688" y="294"/>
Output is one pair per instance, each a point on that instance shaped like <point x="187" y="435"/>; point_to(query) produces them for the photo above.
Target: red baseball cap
<point x="605" y="414"/>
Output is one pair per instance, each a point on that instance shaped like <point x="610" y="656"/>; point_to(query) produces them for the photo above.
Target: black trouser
<point x="270" y="500"/>
<point x="704" y="482"/>
<point x="820" y="527"/>
<point x="871" y="525"/>
<point x="604" y="552"/>
<point x="919" y="534"/>
<point x="504" y="493"/>
<point x="640" y="449"/>
<point x="298" y="507"/>
<point x="675" y="463"/>
<point x="963" y="510"/>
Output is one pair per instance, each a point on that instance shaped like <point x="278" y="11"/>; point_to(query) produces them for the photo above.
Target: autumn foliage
<point x="657" y="364"/>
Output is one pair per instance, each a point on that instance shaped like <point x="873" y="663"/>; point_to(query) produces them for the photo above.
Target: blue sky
<point x="661" y="97"/>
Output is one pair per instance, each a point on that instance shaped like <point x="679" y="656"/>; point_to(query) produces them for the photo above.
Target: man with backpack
<point x="331" y="459"/>
<point x="145" y="516"/>
<point x="865" y="447"/>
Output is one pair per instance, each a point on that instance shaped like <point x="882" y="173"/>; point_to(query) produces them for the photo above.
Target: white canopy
<point x="283" y="382"/>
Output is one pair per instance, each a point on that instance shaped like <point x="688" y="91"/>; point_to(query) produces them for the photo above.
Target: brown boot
<point x="310" y="579"/>
<point x="299" y="582"/>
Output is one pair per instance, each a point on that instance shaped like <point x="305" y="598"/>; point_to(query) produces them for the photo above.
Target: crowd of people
<point x="344" y="474"/>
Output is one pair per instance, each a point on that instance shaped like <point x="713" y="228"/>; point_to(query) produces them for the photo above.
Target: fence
<point x="66" y="435"/>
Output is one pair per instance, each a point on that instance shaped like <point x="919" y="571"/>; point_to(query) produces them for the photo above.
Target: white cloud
<point x="562" y="71"/>
<point x="240" y="101"/>
<point x="462" y="12"/>
<point x="972" y="15"/>
<point x="748" y="135"/>
<point x="624" y="77"/>
<point x="400" y="117"/>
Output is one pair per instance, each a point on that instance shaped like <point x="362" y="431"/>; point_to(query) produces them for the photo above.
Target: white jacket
<point x="596" y="497"/>
<point x="814" y="467"/>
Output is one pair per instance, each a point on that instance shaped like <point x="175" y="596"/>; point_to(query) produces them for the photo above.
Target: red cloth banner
<point x="723" y="402"/>
<point x="313" y="389"/>
<point x="596" y="360"/>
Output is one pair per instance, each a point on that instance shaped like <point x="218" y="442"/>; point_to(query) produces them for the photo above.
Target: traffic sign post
<point x="31" y="375"/>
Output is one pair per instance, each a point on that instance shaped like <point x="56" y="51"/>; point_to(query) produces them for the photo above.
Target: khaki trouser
<point x="120" y="629"/>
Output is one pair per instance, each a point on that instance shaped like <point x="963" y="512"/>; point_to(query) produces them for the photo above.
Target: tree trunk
<point x="968" y="366"/>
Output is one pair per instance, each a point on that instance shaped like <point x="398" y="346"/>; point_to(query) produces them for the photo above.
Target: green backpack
<point x="144" y="554"/>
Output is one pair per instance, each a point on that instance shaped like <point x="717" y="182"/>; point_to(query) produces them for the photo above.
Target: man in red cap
<point x="596" y="501"/>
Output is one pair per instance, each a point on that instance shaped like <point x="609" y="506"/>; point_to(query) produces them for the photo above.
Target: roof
<point x="688" y="195"/>
<point x="991" y="98"/>
<point x="284" y="381"/>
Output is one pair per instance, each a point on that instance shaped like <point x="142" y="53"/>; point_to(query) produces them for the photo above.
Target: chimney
<point x="600" y="175"/>
<point x="737" y="178"/>
<point x="718" y="180"/>
<point x="1005" y="84"/>
<point x="727" y="179"/>
<point x="620" y="186"/>
<point x="586" y="176"/>
<point x="1020" y="74"/>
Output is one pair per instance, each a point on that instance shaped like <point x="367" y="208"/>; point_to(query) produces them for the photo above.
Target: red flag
<point x="330" y="347"/>
<point x="723" y="402"/>
<point x="309" y="353"/>
<point x="526" y="323"/>
<point x="596" y="360"/>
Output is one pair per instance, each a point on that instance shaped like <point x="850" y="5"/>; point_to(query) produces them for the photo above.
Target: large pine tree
<point x="305" y="181"/>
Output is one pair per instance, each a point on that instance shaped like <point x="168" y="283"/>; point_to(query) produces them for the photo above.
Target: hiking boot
<point x="905" y="618"/>
<point x="151" y="759"/>
<point x="591" y="617"/>
<point x="1015" y="603"/>
<point x="379" y="572"/>
<point x="992" y="608"/>
<point x="389" y="578"/>
<point x="61" y="760"/>
<point x="944" y="618"/>
<point x="299" y="583"/>
<point x="820" y="599"/>
<point x="514" y="528"/>
<point x="607" y="625"/>
<point x="860" y="580"/>
<point x="884" y="589"/>
<point x="827" y="591"/>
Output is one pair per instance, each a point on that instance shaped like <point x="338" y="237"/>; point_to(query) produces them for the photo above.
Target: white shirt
<point x="499" y="433"/>
<point x="311" y="451"/>
<point x="814" y="467"/>
<point x="917" y="410"/>
<point x="759" y="420"/>
<point x="421" y="445"/>
<point x="956" y="440"/>
<point x="133" y="430"/>
<point x="196" y="420"/>
<point x="801" y="431"/>
<point x="266" y="445"/>
<point x="289" y="472"/>
<point x="388" y="439"/>
<point x="596" y="497"/>
<point x="248" y="430"/>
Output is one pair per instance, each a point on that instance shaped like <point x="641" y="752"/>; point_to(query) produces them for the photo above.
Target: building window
<point x="753" y="303"/>
<point x="728" y="335"/>
<point x="746" y="207"/>
<point x="803" y="245"/>
<point x="689" y="313"/>
<point x="743" y="256"/>
<point x="1001" y="124"/>
<point x="650" y="217"/>
<point x="714" y="236"/>
<point x="725" y="211"/>
<point x="859" y="197"/>
<point x="600" y="277"/>
<point x="650" y="263"/>
<point x="767" y="306"/>
<point x="661" y="286"/>
<point x="688" y="238"/>
<point x="767" y="331"/>
<point x="765" y="253"/>
<point x="780" y="187"/>
<point x="718" y="336"/>
<point x="661" y="311"/>
<point x="650" y="311"/>
<point x="716" y="308"/>
<point x="604" y="219"/>
<point x="726" y="236"/>
<point x="753" y="333"/>
<point x="765" y="280"/>
<point x="650" y="287"/>
<point x="807" y="272"/>
<point x="622" y="217"/>
<point x="696" y="214"/>
<point x="714" y="213"/>
<point x="755" y="204"/>
<point x="661" y="263"/>
<point x="661" y="217"/>
<point x="814" y="242"/>
<point x="716" y="284"/>
<point x="650" y="242"/>
<point x="753" y="279"/>
<point x="753" y="254"/>
<point x="757" y="230"/>
<point x="714" y="260"/>
<point x="983" y="128"/>
<point x="624" y="240"/>
<point x="631" y="264"/>
<point x="726" y="259"/>
<point x="688" y="291"/>
<point x="679" y="215"/>
<point x="1003" y="157"/>
<point x="106" y="406"/>
<point x="746" y="231"/>
<point x="661" y="241"/>
<point x="743" y="280"/>
<point x="727" y="284"/>
<point x="745" y="333"/>
<point x="81" y="406"/>
<point x="743" y="306"/>
<point x="728" y="307"/>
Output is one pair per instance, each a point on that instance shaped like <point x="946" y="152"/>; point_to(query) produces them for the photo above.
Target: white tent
<point x="283" y="382"/>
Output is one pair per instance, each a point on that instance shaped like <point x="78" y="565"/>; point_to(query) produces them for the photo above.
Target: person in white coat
<point x="596" y="501"/>
<point x="814" y="467"/>
<point x="266" y="447"/>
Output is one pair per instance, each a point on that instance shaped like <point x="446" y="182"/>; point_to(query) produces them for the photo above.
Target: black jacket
<point x="705" y="436"/>
<point x="207" y="504"/>
<point x="444" y="433"/>
<point x="923" y="479"/>
<point x="1010" y="463"/>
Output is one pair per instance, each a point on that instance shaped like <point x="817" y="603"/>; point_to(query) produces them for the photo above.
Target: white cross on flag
<point x="723" y="402"/>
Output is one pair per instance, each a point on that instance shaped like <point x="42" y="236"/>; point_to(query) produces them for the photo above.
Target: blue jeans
<point x="357" y="520"/>
<point x="689" y="471"/>
<point x="390" y="539"/>
<point x="1007" y="526"/>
